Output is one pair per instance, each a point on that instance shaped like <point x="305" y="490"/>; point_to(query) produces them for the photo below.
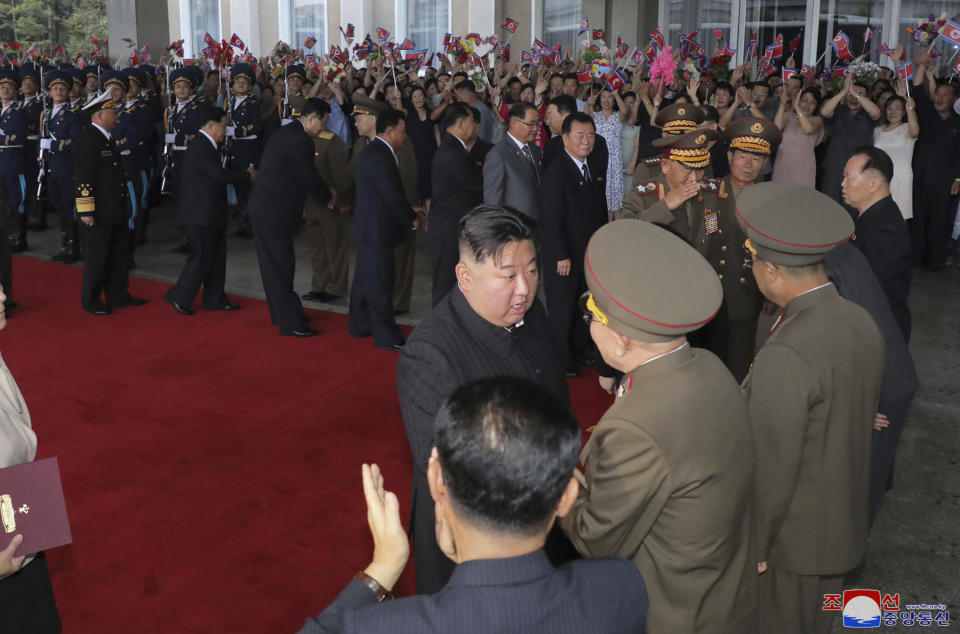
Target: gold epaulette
<point x="651" y="161"/>
<point x="326" y="135"/>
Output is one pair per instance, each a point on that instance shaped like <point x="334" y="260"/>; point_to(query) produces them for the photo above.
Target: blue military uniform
<point x="247" y="142"/>
<point x="63" y="125"/>
<point x="136" y="137"/>
<point x="182" y="120"/>
<point x="32" y="108"/>
<point x="13" y="135"/>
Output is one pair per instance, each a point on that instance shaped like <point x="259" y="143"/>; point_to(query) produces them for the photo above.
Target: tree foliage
<point x="52" y="22"/>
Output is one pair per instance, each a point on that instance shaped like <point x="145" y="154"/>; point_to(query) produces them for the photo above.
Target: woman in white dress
<point x="608" y="117"/>
<point x="26" y="595"/>
<point x="896" y="137"/>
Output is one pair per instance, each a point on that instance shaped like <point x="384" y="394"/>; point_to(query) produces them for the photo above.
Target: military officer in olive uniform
<point x="813" y="393"/>
<point x="679" y="198"/>
<point x="751" y="142"/>
<point x="669" y="470"/>
<point x="327" y="227"/>
<point x="674" y="120"/>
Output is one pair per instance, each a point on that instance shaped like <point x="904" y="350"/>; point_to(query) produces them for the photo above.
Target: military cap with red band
<point x="791" y="224"/>
<point x="649" y="283"/>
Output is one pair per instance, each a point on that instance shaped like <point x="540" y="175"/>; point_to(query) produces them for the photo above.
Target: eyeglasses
<point x="529" y="123"/>
<point x="591" y="311"/>
<point x="751" y="254"/>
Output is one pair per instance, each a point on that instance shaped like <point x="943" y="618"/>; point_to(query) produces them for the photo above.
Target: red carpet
<point x="211" y="467"/>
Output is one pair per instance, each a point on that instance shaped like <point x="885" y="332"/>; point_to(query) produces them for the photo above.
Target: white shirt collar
<point x="517" y="143"/>
<point x="382" y="140"/>
<point x="239" y="100"/>
<point x="211" y="139"/>
<point x="461" y="141"/>
<point x="576" y="161"/>
<point x="97" y="126"/>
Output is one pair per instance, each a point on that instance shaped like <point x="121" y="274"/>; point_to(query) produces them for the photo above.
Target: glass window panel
<point x="911" y="12"/>
<point x="427" y="21"/>
<point x="204" y="18"/>
<point x="703" y="16"/>
<point x="770" y="18"/>
<point x="561" y="22"/>
<point x="308" y="19"/>
<point x="853" y="17"/>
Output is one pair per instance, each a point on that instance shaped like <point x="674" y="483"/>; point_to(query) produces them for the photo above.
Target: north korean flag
<point x="504" y="54"/>
<point x="382" y="35"/>
<point x="539" y="47"/>
<point x="509" y="25"/>
<point x="950" y="31"/>
<point x="956" y="67"/>
<point x="841" y="46"/>
<point x="310" y="42"/>
<point x="718" y="34"/>
<point x="34" y="51"/>
<point x="236" y="41"/>
<point x="636" y="57"/>
<point x="208" y="39"/>
<point x="584" y="25"/>
<point x="905" y="71"/>
<point x="622" y="48"/>
<point x="656" y="40"/>
<point x="600" y="34"/>
<point x="414" y="55"/>
<point x="769" y="69"/>
<point x="584" y="77"/>
<point x="616" y="81"/>
<point x="752" y="46"/>
<point x="650" y="54"/>
<point x="795" y="42"/>
<point x="808" y="73"/>
<point x="407" y="44"/>
<point x="788" y="73"/>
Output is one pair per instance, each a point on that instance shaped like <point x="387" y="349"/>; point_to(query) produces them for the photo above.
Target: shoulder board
<point x="326" y="135"/>
<point x="652" y="160"/>
<point x="646" y="187"/>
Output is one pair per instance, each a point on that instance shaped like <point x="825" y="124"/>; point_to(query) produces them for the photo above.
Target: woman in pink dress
<point x="802" y="130"/>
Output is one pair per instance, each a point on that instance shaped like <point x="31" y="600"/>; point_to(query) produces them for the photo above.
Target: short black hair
<point x="725" y="85"/>
<point x="952" y="86"/>
<point x="520" y="109"/>
<point x="761" y="84"/>
<point x="454" y="114"/>
<point x="459" y="73"/>
<point x="577" y="117"/>
<point x="315" y="106"/>
<point x="210" y="113"/>
<point x="513" y="80"/>
<point x="486" y="230"/>
<point x="476" y="114"/>
<point x="507" y="449"/>
<point x="569" y="76"/>
<point x="565" y="104"/>
<point x="877" y="160"/>
<point x="212" y="72"/>
<point x="466" y="84"/>
<point x="389" y="118"/>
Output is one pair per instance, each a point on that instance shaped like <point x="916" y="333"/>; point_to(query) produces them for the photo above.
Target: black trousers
<point x="206" y="266"/>
<point x="105" y="247"/>
<point x="444" y="255"/>
<point x="27" y="602"/>
<point x="568" y="330"/>
<point x="371" y="296"/>
<point x="277" y="267"/>
<point x="933" y="208"/>
<point x="883" y="452"/>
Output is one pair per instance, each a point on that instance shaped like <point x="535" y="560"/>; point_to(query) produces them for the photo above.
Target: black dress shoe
<point x="393" y="347"/>
<point x="306" y="332"/>
<point x="133" y="301"/>
<point x="98" y="310"/>
<point x="180" y="309"/>
<point x="228" y="307"/>
<point x="320" y="296"/>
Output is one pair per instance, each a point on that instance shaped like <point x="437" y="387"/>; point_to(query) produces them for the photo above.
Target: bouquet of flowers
<point x="662" y="69"/>
<point x="865" y="72"/>
<point x="926" y="31"/>
<point x="332" y="71"/>
<point x="591" y="52"/>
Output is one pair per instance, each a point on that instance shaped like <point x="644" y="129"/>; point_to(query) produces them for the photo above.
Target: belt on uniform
<point x="33" y="137"/>
<point x="9" y="147"/>
<point x="245" y="138"/>
<point x="179" y="148"/>
<point x="125" y="153"/>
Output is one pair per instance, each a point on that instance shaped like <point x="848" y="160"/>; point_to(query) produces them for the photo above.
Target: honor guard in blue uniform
<point x="150" y="95"/>
<point x="127" y="133"/>
<point x="293" y="101"/>
<point x="246" y="144"/>
<point x="181" y="120"/>
<point x="77" y="87"/>
<point x="32" y="107"/>
<point x="60" y="127"/>
<point x="13" y="135"/>
<point x="136" y="111"/>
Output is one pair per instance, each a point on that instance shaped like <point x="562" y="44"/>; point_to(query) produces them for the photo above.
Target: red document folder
<point x="32" y="505"/>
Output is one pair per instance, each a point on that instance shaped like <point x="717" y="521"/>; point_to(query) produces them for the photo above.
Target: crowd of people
<point x="642" y="230"/>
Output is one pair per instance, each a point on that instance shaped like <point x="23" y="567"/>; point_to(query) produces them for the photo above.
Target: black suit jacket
<point x="881" y="235"/>
<point x="204" y="195"/>
<point x="381" y="213"/>
<point x="495" y="596"/>
<point x="287" y="175"/>
<point x="598" y="159"/>
<point x="572" y="210"/>
<point x="99" y="180"/>
<point x="457" y="182"/>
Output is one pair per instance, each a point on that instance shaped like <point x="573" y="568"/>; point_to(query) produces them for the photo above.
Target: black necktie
<point x="529" y="156"/>
<point x="586" y="173"/>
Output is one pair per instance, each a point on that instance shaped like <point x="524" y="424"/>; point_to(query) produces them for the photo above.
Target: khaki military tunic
<point x="668" y="483"/>
<point x="813" y="393"/>
<point x="328" y="230"/>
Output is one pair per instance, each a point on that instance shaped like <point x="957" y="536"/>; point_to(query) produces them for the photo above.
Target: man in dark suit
<point x="203" y="211"/>
<point x="381" y="219"/>
<point x="512" y="169"/>
<point x="287" y="175"/>
<point x="850" y="271"/>
<point x="574" y="206"/>
<point x="880" y="230"/>
<point x="491" y="324"/>
<point x="102" y="201"/>
<point x="557" y="112"/>
<point x="457" y="188"/>
<point x="497" y="495"/>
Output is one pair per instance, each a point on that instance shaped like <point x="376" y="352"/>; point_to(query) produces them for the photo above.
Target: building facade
<point x="261" y="23"/>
